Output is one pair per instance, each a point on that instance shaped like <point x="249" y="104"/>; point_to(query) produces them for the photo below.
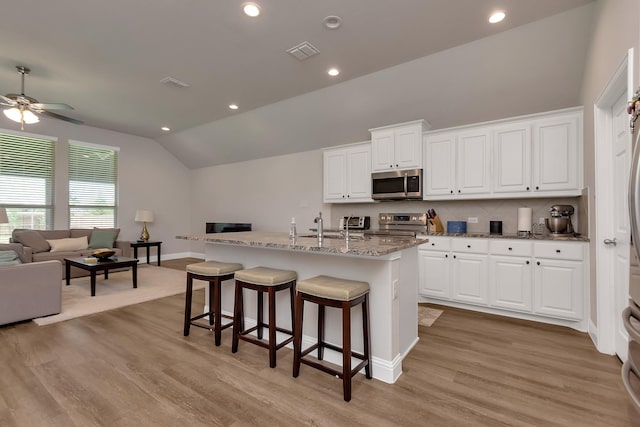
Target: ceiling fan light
<point x="18" y="116"/>
<point x="30" y="118"/>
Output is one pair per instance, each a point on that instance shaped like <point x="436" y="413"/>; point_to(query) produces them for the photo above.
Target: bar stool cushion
<point x="266" y="276"/>
<point x="333" y="288"/>
<point x="213" y="268"/>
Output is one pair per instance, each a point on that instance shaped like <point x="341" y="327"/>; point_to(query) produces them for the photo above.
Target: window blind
<point x="27" y="170"/>
<point x="93" y="186"/>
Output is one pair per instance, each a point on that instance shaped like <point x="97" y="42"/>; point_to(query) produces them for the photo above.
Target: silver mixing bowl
<point x="557" y="225"/>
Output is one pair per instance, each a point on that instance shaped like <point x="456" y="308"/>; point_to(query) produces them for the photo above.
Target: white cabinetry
<point x="458" y="163"/>
<point x="541" y="280"/>
<point x="531" y="156"/>
<point x="397" y="146"/>
<point x="510" y="275"/>
<point x="559" y="280"/>
<point x="347" y="174"/>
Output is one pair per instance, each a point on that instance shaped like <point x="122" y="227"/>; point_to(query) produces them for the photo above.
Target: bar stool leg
<point x="346" y="352"/>
<point x="320" y="332"/>
<point x="272" y="328"/>
<point x="211" y="303"/>
<point x="187" y="305"/>
<point x="260" y="314"/>
<point x="366" y="332"/>
<point x="238" y="321"/>
<point x="297" y="335"/>
<point x="217" y="303"/>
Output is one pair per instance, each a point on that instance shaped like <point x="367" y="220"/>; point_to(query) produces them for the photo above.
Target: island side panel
<point x="378" y="271"/>
<point x="408" y="298"/>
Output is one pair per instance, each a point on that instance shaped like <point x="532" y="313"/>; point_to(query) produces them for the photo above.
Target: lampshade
<point x="144" y="216"/>
<point x="3" y="216"/>
<point x="18" y="116"/>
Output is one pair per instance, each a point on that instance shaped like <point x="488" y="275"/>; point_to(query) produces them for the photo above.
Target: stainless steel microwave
<point x="397" y="185"/>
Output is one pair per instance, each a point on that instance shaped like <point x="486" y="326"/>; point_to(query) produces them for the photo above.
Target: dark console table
<point x="136" y="245"/>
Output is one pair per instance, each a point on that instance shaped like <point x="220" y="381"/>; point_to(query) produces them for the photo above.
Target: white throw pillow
<point x="69" y="244"/>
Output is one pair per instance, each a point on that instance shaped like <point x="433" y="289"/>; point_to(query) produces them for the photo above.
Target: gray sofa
<point x="32" y="246"/>
<point x="30" y="290"/>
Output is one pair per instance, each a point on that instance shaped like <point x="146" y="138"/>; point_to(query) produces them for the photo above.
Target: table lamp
<point x="144" y="216"/>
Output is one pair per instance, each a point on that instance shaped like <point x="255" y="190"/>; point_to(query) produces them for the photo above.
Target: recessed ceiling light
<point x="497" y="17"/>
<point x="332" y="22"/>
<point x="165" y="128"/>
<point x="333" y="72"/>
<point x="251" y="9"/>
<point x="233" y="106"/>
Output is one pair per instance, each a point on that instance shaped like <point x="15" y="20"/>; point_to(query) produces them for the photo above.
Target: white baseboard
<point x="593" y="333"/>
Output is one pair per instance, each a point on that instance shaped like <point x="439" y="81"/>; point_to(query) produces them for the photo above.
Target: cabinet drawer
<point x="559" y="250"/>
<point x="470" y="245"/>
<point x="511" y="247"/>
<point x="436" y="244"/>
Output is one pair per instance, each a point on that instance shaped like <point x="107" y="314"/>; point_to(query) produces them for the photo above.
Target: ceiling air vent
<point x="174" y="82"/>
<point x="303" y="51"/>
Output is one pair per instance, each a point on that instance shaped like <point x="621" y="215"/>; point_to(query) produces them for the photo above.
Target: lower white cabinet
<point x="539" y="278"/>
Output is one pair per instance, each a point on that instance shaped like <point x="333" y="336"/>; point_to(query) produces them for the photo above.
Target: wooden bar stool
<point x="340" y="293"/>
<point x="262" y="279"/>
<point x="215" y="273"/>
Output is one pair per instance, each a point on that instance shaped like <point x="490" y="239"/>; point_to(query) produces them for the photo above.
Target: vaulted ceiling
<point x="108" y="60"/>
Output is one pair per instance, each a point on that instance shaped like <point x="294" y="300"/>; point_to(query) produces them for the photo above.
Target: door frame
<point x="603" y="335"/>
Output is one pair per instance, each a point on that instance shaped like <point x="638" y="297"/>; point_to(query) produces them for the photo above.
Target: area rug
<point x="153" y="283"/>
<point x="427" y="315"/>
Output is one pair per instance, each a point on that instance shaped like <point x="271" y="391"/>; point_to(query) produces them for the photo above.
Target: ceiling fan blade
<point x="7" y="101"/>
<point x="58" y="116"/>
<point x="54" y="106"/>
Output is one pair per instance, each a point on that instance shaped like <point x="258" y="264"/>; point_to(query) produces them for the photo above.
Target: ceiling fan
<point x="24" y="109"/>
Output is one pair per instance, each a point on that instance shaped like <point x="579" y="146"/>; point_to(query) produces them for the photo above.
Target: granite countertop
<point x="369" y="246"/>
<point x="565" y="238"/>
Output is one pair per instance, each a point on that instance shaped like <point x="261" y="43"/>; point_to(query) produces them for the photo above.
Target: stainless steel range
<point x="400" y="224"/>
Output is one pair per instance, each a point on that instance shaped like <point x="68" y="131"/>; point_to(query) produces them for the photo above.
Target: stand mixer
<point x="560" y="221"/>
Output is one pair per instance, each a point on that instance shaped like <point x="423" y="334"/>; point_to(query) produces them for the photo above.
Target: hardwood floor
<point x="133" y="367"/>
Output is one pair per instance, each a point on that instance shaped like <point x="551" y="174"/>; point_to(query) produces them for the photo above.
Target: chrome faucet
<point x="346" y="229"/>
<point x="318" y="220"/>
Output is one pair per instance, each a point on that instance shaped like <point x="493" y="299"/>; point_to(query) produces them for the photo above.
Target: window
<point x="27" y="168"/>
<point x="93" y="185"/>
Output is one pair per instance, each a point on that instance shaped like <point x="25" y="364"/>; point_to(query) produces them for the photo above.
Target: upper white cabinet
<point x="347" y="174"/>
<point x="532" y="156"/>
<point x="397" y="146"/>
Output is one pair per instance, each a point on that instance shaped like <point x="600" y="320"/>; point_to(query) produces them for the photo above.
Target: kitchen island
<point x="388" y="264"/>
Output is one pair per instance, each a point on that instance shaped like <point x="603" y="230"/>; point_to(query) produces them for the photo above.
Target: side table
<point x="148" y="245"/>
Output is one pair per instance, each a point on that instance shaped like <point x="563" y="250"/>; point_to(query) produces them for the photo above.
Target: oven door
<point x="404" y="184"/>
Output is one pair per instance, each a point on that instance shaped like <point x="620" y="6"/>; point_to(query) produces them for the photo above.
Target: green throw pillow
<point x="103" y="238"/>
<point x="9" y="258"/>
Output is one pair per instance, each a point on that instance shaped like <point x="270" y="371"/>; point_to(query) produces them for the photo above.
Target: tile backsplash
<point x="505" y="210"/>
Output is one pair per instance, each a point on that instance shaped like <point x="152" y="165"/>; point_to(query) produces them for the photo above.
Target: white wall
<point x="265" y="192"/>
<point x="615" y="29"/>
<point x="150" y="178"/>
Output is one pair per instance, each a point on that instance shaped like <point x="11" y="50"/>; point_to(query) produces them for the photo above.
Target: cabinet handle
<point x="451" y="191"/>
<point x="348" y="195"/>
<point x="454" y="257"/>
<point x="538" y="262"/>
<point x="557" y="251"/>
<point x="433" y="244"/>
<point x="527" y="188"/>
<point x="446" y="255"/>
<point x="343" y="196"/>
<point x="510" y="249"/>
<point x="469" y="246"/>
<point x="458" y="191"/>
<point x="391" y="166"/>
<point x="537" y="188"/>
<point x="396" y="165"/>
<point x="527" y="262"/>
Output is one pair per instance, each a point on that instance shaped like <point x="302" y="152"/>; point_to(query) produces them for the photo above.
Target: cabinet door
<point x="510" y="280"/>
<point x="440" y="164"/>
<point x="473" y="168"/>
<point x="435" y="274"/>
<point x="382" y="150"/>
<point x="512" y="158"/>
<point x="559" y="288"/>
<point x="555" y="160"/>
<point x="470" y="278"/>
<point x="408" y="147"/>
<point x="335" y="178"/>
<point x="359" y="173"/>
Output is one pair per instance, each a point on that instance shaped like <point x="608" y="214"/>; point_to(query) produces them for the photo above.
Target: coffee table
<point x="102" y="265"/>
